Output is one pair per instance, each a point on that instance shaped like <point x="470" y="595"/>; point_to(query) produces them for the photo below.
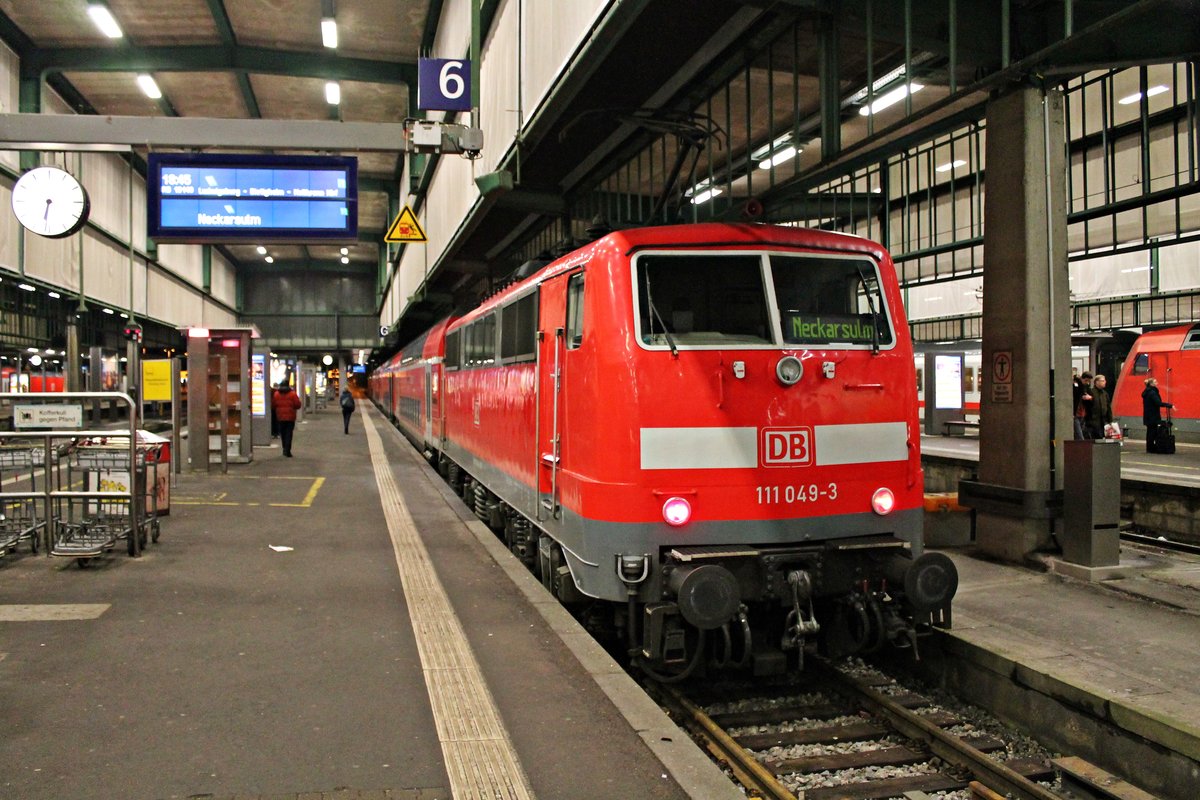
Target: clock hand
<point x="46" y="216"/>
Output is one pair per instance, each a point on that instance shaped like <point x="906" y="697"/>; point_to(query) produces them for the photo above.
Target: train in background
<point x="1100" y="353"/>
<point x="702" y="438"/>
<point x="1172" y="355"/>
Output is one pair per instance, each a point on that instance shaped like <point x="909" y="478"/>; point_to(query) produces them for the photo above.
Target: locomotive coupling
<point x="708" y="595"/>
<point x="929" y="582"/>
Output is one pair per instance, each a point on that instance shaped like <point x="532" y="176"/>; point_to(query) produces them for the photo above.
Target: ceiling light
<point x="262" y="251"/>
<point x="333" y="93"/>
<point x="26" y="286"/>
<point x="345" y="259"/>
<point x="345" y="251"/>
<point x="270" y="259"/>
<point x="104" y="20"/>
<point x="949" y="165"/>
<point x="891" y="98"/>
<point x="55" y="295"/>
<point x="786" y="154"/>
<point x="149" y="87"/>
<point x="108" y="311"/>
<point x="329" y="32"/>
<point x="1133" y="98"/>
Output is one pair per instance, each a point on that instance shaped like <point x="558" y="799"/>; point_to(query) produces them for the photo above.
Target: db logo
<point x="786" y="447"/>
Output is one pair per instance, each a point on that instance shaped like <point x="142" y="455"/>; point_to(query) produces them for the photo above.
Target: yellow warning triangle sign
<point x="405" y="228"/>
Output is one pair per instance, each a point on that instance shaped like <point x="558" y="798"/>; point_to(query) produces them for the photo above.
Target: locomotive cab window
<point x="691" y="299"/>
<point x="830" y="301"/>
<point x="575" y="311"/>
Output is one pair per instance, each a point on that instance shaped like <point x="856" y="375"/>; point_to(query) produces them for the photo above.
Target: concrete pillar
<point x="1026" y="390"/>
<point x="73" y="364"/>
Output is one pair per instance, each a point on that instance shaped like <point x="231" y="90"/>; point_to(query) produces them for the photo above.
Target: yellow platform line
<point x="481" y="762"/>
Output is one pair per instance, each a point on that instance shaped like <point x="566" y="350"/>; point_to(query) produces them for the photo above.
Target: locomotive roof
<point x="1165" y="339"/>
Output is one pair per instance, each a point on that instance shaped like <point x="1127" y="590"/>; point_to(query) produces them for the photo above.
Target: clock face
<point x="50" y="202"/>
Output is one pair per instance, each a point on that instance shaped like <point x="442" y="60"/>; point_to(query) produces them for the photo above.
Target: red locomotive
<point x="712" y="428"/>
<point x="1172" y="355"/>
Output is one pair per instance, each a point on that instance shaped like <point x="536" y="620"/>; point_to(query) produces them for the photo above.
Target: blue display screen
<point x="222" y="198"/>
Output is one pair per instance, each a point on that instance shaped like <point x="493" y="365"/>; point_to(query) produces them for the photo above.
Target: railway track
<point x="852" y="737"/>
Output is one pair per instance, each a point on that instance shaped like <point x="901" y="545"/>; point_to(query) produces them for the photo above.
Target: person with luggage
<point x="347" y="403"/>
<point x="1160" y="438"/>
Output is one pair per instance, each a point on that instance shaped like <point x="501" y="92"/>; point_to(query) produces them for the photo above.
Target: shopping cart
<point x="19" y="517"/>
<point x="91" y="522"/>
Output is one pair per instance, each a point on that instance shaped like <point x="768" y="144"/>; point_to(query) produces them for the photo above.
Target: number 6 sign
<point x="443" y="84"/>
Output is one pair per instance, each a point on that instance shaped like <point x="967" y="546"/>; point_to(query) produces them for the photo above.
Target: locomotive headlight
<point x="883" y="501"/>
<point x="789" y="370"/>
<point x="677" y="511"/>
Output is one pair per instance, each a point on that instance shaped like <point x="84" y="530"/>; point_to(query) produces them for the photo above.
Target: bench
<point x="959" y="427"/>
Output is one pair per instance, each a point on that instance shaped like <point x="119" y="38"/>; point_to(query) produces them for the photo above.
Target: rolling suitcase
<point x="1162" y="438"/>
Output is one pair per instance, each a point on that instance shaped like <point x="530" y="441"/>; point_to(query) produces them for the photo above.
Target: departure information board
<point x="222" y="198"/>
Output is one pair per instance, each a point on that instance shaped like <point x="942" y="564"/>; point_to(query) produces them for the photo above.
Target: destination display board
<point x="203" y="197"/>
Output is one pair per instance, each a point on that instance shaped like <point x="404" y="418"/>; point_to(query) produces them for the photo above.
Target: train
<point x="702" y="438"/>
<point x="1172" y="355"/>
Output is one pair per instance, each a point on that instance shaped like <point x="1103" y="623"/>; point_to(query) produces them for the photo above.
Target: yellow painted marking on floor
<point x="308" y="498"/>
<point x="480" y="759"/>
<point x="51" y="613"/>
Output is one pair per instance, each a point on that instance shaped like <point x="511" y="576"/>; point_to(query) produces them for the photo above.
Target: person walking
<point x="347" y="401"/>
<point x="1152" y="402"/>
<point x="285" y="403"/>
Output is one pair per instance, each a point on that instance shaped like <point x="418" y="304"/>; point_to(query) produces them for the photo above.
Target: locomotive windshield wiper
<point x="656" y="315"/>
<point x="862" y="276"/>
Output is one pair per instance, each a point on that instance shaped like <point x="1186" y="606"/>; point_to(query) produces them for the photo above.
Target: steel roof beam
<point x="225" y="27"/>
<point x="267" y="134"/>
<point x="203" y="58"/>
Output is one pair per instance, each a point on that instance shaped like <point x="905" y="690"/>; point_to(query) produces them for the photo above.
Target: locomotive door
<point x="560" y="318"/>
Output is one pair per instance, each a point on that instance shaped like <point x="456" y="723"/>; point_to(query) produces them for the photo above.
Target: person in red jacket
<point x="285" y="403"/>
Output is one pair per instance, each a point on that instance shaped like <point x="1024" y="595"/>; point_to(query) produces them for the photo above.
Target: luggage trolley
<point x="19" y="518"/>
<point x="118" y="501"/>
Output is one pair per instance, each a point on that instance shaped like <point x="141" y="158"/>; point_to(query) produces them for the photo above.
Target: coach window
<point x="575" y="311"/>
<point x="453" y="359"/>
<point x="518" y="330"/>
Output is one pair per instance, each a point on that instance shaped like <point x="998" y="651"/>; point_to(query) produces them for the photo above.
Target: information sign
<point x="948" y="391"/>
<point x="443" y="84"/>
<point x="1002" y="376"/>
<point x="54" y="417"/>
<point x="202" y="197"/>
<point x="156" y="381"/>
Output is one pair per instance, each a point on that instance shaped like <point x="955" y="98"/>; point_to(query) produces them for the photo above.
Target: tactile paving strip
<point x="480" y="760"/>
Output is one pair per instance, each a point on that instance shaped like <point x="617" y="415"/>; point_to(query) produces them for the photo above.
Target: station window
<point x="518" y="330"/>
<point x="575" y="311"/>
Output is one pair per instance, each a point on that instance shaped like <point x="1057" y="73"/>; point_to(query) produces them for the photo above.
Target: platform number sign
<point x="443" y="84"/>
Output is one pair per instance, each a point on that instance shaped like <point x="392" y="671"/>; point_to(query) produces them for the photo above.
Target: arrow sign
<point x="405" y="228"/>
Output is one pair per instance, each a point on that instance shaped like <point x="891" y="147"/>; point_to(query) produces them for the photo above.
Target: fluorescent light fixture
<point x="149" y="87"/>
<point x="124" y="315"/>
<point x="270" y="259"/>
<point x="345" y="259"/>
<point x="1133" y="98"/>
<point x="1135" y="269"/>
<point x="891" y="98"/>
<point x="931" y="299"/>
<point x="705" y="196"/>
<point x="262" y="251"/>
<point x="779" y="157"/>
<point x="949" y="165"/>
<point x="329" y="32"/>
<point x="31" y="349"/>
<point x="55" y="295"/>
<point x="197" y="333"/>
<point x="333" y="93"/>
<point x="104" y="20"/>
<point x="26" y="286"/>
<point x="108" y="311"/>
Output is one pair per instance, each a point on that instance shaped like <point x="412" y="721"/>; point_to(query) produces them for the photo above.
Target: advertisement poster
<point x="156" y="381"/>
<point x="948" y="391"/>
<point x="258" y="385"/>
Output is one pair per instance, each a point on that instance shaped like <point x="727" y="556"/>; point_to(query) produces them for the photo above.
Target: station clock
<point x="50" y="202"/>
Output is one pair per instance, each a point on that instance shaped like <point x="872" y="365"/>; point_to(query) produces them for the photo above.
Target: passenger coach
<point x="712" y="425"/>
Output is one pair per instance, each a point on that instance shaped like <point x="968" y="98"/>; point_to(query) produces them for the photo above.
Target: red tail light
<point x="883" y="501"/>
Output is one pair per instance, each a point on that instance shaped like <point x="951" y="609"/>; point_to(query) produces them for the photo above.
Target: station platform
<point x="334" y="624"/>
